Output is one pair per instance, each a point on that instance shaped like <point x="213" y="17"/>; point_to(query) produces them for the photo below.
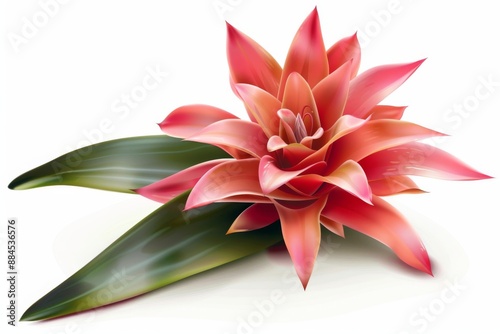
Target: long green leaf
<point x="164" y="247"/>
<point x="119" y="165"/>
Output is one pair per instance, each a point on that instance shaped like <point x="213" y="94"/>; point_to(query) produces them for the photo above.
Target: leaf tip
<point x="21" y="182"/>
<point x="13" y="185"/>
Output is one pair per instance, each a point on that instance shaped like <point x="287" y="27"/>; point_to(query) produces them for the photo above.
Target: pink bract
<point x="318" y="148"/>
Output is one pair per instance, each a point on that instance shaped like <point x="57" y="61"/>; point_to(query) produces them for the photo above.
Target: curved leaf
<point x="165" y="247"/>
<point x="119" y="165"/>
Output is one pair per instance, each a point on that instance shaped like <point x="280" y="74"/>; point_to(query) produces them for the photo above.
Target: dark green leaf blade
<point x="164" y="247"/>
<point x="119" y="165"/>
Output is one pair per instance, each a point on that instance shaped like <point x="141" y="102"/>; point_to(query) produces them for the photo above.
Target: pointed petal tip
<point x="354" y="37"/>
<point x="195" y="201"/>
<point x="304" y="277"/>
<point x="478" y="176"/>
<point x="191" y="204"/>
<point x="482" y="176"/>
<point x="413" y="66"/>
<point x="304" y="283"/>
<point x="314" y="16"/>
<point x="233" y="230"/>
<point x="425" y="263"/>
<point x="428" y="268"/>
<point x="416" y="64"/>
<point x="230" y="29"/>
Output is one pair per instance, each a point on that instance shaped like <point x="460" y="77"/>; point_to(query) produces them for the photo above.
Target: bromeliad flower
<point x="318" y="149"/>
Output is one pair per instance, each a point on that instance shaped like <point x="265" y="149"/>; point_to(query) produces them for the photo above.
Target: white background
<point x="63" y="82"/>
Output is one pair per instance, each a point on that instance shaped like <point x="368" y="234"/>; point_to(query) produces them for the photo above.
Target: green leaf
<point x="119" y="165"/>
<point x="167" y="246"/>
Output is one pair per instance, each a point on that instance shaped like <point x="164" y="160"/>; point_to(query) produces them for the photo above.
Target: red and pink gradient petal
<point x="250" y="63"/>
<point x="374" y="136"/>
<point x="275" y="143"/>
<point x="371" y="87"/>
<point x="234" y="181"/>
<point x="302" y="234"/>
<point x="188" y="120"/>
<point x="351" y="177"/>
<point x="242" y="135"/>
<point x="330" y="95"/>
<point x="174" y="185"/>
<point x="392" y="185"/>
<point x="261" y="106"/>
<point x="308" y="184"/>
<point x="254" y="217"/>
<point x="272" y="177"/>
<point x="333" y="226"/>
<point x="287" y="124"/>
<point x="307" y="54"/>
<point x="299" y="99"/>
<point x="231" y="178"/>
<point x="344" y="125"/>
<point x="418" y="159"/>
<point x="295" y="153"/>
<point x="309" y="141"/>
<point x="343" y="51"/>
<point x="386" y="112"/>
<point x="381" y="222"/>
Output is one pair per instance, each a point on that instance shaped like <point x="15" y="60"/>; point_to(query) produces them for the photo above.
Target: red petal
<point x="374" y="136"/>
<point x="250" y="63"/>
<point x="275" y="143"/>
<point x="188" y="120"/>
<point x="350" y="177"/>
<point x="245" y="136"/>
<point x="234" y="181"/>
<point x="302" y="235"/>
<point x="344" y="125"/>
<point x="386" y="112"/>
<point x="330" y="95"/>
<point x="170" y="187"/>
<point x="254" y="217"/>
<point x="295" y="153"/>
<point x="418" y="159"/>
<point x="372" y="86"/>
<point x="299" y="98"/>
<point x="307" y="54"/>
<point x="272" y="177"/>
<point x="333" y="226"/>
<point x="232" y="178"/>
<point x="307" y="185"/>
<point x="287" y="122"/>
<point x="245" y="199"/>
<point x="343" y="51"/>
<point x="261" y="106"/>
<point x="391" y="185"/>
<point x="381" y="222"/>
<point x="308" y="141"/>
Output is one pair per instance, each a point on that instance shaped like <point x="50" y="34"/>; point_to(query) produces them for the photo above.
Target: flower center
<point x="299" y="129"/>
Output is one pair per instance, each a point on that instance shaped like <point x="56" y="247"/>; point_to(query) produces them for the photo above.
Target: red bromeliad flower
<point x="318" y="149"/>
